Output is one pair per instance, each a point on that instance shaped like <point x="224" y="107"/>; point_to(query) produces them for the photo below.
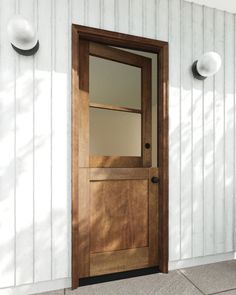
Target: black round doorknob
<point x="147" y="145"/>
<point x="154" y="179"/>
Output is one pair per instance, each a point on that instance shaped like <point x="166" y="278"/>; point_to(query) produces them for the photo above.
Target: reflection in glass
<point x="114" y="133"/>
<point x="114" y="83"/>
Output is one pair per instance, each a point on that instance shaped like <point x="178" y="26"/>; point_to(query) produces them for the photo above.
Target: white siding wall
<point x="35" y="134"/>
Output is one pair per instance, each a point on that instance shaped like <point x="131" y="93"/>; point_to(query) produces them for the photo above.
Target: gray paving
<point x="218" y="278"/>
<point x="232" y="292"/>
<point x="163" y="284"/>
<point x="59" y="292"/>
<point x="213" y="278"/>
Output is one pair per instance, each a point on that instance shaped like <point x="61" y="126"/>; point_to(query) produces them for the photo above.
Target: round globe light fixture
<point x="22" y="35"/>
<point x="207" y="66"/>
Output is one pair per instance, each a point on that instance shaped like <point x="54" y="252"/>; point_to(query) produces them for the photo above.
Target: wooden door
<point x="117" y="199"/>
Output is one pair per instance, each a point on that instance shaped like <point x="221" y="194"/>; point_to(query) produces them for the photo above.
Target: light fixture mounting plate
<point x="28" y="52"/>
<point x="195" y="72"/>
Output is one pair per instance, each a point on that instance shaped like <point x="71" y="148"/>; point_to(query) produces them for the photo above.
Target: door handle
<point x="155" y="179"/>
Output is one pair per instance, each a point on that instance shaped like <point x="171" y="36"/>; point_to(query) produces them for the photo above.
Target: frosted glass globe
<point x="21" y="33"/>
<point x="209" y="64"/>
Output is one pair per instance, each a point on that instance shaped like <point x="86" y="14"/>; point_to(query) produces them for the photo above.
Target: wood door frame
<point x="141" y="44"/>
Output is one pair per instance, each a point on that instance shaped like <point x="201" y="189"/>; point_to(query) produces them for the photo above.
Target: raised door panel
<point x="123" y="219"/>
<point x="118" y="215"/>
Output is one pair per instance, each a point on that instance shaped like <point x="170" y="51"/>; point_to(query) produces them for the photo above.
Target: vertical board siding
<point x="78" y="12"/>
<point x="208" y="127"/>
<point x="234" y="120"/>
<point x="174" y="131"/>
<point x="197" y="134"/>
<point x="42" y="146"/>
<point x="108" y="15"/>
<point x="162" y="19"/>
<point x="60" y="71"/>
<point x="35" y="131"/>
<point x="186" y="131"/>
<point x="136" y="17"/>
<point x="229" y="130"/>
<point x="150" y="19"/>
<point x="93" y="13"/>
<point x="123" y="21"/>
<point x="219" y="165"/>
<point x="25" y="159"/>
<point x="7" y="151"/>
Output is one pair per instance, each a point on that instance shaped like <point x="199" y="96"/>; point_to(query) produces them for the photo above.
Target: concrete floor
<point x="217" y="278"/>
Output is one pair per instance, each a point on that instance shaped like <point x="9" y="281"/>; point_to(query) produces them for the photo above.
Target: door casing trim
<point x="136" y="43"/>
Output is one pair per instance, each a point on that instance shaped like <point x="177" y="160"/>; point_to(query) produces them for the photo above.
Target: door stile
<point x="83" y="114"/>
<point x="84" y="223"/>
<point x="146" y="113"/>
<point x="83" y="151"/>
<point x="153" y="217"/>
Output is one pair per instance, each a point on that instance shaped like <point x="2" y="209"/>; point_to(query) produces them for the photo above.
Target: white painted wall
<point x="227" y="5"/>
<point x="35" y="135"/>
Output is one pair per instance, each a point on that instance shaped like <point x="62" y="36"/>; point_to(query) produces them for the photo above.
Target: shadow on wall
<point x="34" y="239"/>
<point x="197" y="151"/>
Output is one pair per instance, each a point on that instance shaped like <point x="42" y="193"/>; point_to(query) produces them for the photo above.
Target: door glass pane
<point x="114" y="133"/>
<point x="114" y="83"/>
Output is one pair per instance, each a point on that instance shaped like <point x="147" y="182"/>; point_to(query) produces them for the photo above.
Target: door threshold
<point x="118" y="276"/>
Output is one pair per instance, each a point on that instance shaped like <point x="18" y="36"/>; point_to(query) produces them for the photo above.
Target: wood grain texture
<point x="117" y="55"/>
<point x="153" y="202"/>
<point x="123" y="260"/>
<point x="102" y="243"/>
<point x="84" y="225"/>
<point x="83" y="98"/>
<point x="163" y="129"/>
<point x="147" y="112"/>
<point x="121" y="173"/>
<point x="111" y="38"/>
<point x="75" y="159"/>
<point x="115" y="162"/>
<point x="118" y="215"/>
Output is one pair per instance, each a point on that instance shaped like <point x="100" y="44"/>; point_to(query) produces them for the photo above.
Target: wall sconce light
<point x="207" y="66"/>
<point x="22" y="35"/>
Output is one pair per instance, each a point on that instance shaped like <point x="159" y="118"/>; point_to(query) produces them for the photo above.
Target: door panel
<point x="118" y="220"/>
<point x="118" y="215"/>
<point x="118" y="202"/>
<point x="117" y="261"/>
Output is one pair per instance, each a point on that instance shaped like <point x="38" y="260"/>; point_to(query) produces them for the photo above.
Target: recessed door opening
<point x="119" y="154"/>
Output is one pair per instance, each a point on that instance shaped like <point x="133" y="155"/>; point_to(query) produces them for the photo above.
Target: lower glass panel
<point x="114" y="133"/>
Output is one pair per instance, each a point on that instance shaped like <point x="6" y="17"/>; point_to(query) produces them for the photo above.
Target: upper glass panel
<point x="114" y="83"/>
